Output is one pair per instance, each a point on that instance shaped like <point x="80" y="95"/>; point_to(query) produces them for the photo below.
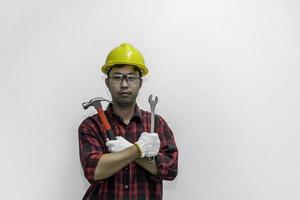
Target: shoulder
<point x="147" y="115"/>
<point x="89" y="124"/>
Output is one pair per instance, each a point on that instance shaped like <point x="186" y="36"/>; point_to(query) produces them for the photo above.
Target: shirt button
<point x="126" y="186"/>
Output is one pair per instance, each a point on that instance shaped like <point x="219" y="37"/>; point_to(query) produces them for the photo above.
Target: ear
<point x="141" y="83"/>
<point x="107" y="83"/>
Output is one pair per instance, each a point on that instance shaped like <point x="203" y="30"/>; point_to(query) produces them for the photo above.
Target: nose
<point x="124" y="83"/>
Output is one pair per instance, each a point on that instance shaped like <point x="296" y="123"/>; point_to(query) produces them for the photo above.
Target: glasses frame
<point x="125" y="76"/>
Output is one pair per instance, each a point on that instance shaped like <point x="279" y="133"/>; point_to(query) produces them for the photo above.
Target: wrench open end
<point x="152" y="102"/>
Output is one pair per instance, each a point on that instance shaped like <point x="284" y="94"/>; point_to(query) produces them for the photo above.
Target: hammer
<point x="96" y="103"/>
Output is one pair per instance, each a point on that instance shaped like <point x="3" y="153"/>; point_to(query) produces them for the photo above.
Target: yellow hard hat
<point x="125" y="54"/>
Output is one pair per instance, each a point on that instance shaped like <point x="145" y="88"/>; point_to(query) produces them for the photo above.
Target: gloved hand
<point x="118" y="145"/>
<point x="148" y="144"/>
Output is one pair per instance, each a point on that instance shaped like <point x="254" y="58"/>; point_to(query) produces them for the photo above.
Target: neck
<point x="125" y="113"/>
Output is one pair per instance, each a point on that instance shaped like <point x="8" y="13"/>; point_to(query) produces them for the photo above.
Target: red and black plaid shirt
<point x="132" y="182"/>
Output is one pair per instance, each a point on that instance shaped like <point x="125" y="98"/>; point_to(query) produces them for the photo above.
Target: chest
<point x="131" y="131"/>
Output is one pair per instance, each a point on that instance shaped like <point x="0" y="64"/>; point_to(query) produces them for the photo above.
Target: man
<point x="124" y="168"/>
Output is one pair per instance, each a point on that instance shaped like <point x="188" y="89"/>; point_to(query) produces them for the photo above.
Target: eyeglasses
<point x="130" y="78"/>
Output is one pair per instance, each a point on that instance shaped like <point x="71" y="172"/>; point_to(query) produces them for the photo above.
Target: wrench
<point x="152" y="106"/>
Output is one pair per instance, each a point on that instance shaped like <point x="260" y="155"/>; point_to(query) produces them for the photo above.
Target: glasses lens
<point x="130" y="78"/>
<point x="116" y="77"/>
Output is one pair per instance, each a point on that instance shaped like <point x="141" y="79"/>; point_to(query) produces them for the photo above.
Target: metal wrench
<point x="152" y="106"/>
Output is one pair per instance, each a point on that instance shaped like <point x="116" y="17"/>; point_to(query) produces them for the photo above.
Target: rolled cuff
<point x="90" y="167"/>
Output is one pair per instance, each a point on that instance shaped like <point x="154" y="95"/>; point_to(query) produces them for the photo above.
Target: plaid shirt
<point x="132" y="182"/>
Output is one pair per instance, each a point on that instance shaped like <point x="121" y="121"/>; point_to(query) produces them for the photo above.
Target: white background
<point x="226" y="74"/>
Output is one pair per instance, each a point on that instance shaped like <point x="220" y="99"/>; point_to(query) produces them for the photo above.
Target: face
<point x="124" y="92"/>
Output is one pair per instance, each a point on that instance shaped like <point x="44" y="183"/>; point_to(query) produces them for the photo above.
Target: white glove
<point x="118" y="145"/>
<point x="148" y="144"/>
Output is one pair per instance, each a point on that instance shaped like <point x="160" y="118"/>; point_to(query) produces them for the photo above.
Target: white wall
<point x="226" y="74"/>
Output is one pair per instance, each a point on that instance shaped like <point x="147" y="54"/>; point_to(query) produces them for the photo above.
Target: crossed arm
<point x="111" y="163"/>
<point x="99" y="165"/>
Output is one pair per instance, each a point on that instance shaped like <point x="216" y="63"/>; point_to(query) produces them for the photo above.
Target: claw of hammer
<point x="96" y="102"/>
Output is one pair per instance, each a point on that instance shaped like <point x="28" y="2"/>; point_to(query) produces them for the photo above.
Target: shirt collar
<point x="113" y="118"/>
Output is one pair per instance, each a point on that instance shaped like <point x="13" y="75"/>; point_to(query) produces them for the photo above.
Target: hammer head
<point x="95" y="102"/>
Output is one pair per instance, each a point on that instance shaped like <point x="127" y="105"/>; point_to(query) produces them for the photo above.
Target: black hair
<point x="136" y="68"/>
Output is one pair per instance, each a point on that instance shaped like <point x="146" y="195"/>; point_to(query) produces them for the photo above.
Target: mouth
<point x="124" y="93"/>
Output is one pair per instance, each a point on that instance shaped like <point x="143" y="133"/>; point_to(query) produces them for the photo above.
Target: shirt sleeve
<point x="90" y="149"/>
<point x="167" y="158"/>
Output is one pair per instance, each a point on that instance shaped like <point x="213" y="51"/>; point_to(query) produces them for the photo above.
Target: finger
<point x="144" y="133"/>
<point x="110" y="143"/>
<point x="154" y="134"/>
